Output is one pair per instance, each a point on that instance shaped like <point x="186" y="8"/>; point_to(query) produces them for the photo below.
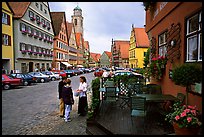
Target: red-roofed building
<point x="33" y="36"/>
<point x="120" y="53"/>
<point x="175" y="32"/>
<point x="106" y="59"/>
<point x="94" y="59"/>
<point x="139" y="43"/>
<point x="60" y="60"/>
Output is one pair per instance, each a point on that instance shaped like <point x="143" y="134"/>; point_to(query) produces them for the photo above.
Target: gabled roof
<point x="57" y="18"/>
<point x="109" y="54"/>
<point x="69" y="29"/>
<point x="95" y="56"/>
<point x="19" y="8"/>
<point x="86" y="45"/>
<point x="141" y="38"/>
<point x="123" y="46"/>
<point x="78" y="38"/>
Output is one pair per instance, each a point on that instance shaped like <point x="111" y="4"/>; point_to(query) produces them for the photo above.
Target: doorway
<point x="30" y="66"/>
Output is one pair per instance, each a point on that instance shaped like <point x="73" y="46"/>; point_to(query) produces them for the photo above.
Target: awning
<point x="67" y="64"/>
<point x="80" y="66"/>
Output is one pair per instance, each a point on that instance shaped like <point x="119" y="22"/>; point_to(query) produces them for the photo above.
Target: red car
<point x="61" y="73"/>
<point x="8" y="81"/>
<point x="98" y="73"/>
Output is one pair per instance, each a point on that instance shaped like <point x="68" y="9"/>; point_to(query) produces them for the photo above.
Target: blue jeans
<point x="68" y="109"/>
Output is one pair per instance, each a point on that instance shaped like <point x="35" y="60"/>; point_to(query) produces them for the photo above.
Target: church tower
<point x="77" y="20"/>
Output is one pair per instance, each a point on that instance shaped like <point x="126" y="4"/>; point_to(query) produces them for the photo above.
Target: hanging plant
<point x="157" y="67"/>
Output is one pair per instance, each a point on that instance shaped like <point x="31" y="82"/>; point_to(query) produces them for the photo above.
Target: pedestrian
<point x="105" y="75"/>
<point x="68" y="99"/>
<point x="60" y="86"/>
<point x="83" y="104"/>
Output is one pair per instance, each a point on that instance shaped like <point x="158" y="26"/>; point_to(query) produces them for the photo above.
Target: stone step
<point x="94" y="130"/>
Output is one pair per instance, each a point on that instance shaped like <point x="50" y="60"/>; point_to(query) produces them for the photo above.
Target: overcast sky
<point x="104" y="20"/>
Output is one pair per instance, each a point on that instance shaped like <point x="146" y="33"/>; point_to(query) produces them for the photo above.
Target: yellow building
<point x="7" y="38"/>
<point x="139" y="44"/>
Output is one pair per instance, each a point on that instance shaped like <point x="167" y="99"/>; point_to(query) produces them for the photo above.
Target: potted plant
<point x="187" y="75"/>
<point x="184" y="119"/>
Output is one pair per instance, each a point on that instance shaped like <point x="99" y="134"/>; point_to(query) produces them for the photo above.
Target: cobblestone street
<point x="33" y="110"/>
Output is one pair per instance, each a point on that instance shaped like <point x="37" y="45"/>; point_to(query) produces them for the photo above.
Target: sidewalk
<point x="52" y="124"/>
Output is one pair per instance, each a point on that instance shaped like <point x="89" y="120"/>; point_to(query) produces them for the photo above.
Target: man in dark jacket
<point x="60" y="86"/>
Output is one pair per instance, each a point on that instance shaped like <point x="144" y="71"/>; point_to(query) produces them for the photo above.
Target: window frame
<point x="5" y="19"/>
<point x="197" y="33"/>
<point x="162" y="45"/>
<point x="6" y="40"/>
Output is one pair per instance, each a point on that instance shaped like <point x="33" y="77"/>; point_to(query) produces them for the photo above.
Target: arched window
<point x="75" y="21"/>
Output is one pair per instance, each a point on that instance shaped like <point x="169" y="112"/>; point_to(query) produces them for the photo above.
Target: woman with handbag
<point x="83" y="104"/>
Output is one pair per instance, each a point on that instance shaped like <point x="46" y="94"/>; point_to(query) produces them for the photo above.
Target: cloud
<point x="105" y="20"/>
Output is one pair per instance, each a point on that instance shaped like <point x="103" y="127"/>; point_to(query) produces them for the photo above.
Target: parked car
<point x="69" y="73"/>
<point x="98" y="73"/>
<point x="27" y="78"/>
<point x="40" y="77"/>
<point x="61" y="73"/>
<point x="52" y="75"/>
<point x="76" y="72"/>
<point x="9" y="81"/>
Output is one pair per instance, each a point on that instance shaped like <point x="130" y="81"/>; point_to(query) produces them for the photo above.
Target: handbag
<point x="76" y="94"/>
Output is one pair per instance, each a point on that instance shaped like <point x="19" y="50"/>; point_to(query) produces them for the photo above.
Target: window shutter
<point x="20" y="26"/>
<point x="20" y="46"/>
<point x="2" y="39"/>
<point x="8" y="19"/>
<point x="9" y="40"/>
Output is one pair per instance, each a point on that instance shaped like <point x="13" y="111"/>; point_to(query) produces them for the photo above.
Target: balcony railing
<point x="72" y="57"/>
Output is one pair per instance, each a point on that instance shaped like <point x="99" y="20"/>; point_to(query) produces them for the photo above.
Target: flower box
<point x="30" y="52"/>
<point x="40" y="54"/>
<point x="24" y="31"/>
<point x="36" y="36"/>
<point x="32" y="18"/>
<point x="44" y="25"/>
<point x="35" y="53"/>
<point x="23" y="51"/>
<point x="30" y="34"/>
<point x="38" y="22"/>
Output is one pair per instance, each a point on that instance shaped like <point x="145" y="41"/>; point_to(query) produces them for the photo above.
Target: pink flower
<point x="187" y="110"/>
<point x="177" y="117"/>
<point x="189" y="119"/>
<point x="153" y="59"/>
<point x="183" y="114"/>
<point x="192" y="107"/>
<point x="193" y="112"/>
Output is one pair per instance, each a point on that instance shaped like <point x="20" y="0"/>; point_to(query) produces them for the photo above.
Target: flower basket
<point x="24" y="32"/>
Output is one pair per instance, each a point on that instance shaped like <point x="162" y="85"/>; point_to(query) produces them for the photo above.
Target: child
<point x="67" y="96"/>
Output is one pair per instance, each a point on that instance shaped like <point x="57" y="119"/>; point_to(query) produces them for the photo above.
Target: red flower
<point x="183" y="114"/>
<point x="177" y="117"/>
<point x="189" y="119"/>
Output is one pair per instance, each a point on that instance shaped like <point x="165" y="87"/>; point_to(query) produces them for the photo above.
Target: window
<point x="75" y="21"/>
<point x="22" y="46"/>
<point x="41" y="7"/>
<point x="6" y="40"/>
<point x="162" y="44"/>
<point x="5" y="18"/>
<point x="31" y="14"/>
<point x="45" y="11"/>
<point x="29" y="47"/>
<point x="194" y="38"/>
<point x="40" y="34"/>
<point x="37" y="5"/>
<point x="34" y="48"/>
<point x="22" y="27"/>
<point x="48" y="25"/>
<point x="38" y="19"/>
<point x="30" y="30"/>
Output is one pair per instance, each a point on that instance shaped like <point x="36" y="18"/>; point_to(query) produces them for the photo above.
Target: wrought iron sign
<point x="173" y="42"/>
<point x="153" y="47"/>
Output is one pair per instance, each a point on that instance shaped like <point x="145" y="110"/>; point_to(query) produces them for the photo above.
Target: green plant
<point x="186" y="75"/>
<point x="157" y="67"/>
<point x="184" y="116"/>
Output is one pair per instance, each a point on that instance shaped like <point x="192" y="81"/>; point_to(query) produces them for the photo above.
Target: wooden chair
<point x="138" y="108"/>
